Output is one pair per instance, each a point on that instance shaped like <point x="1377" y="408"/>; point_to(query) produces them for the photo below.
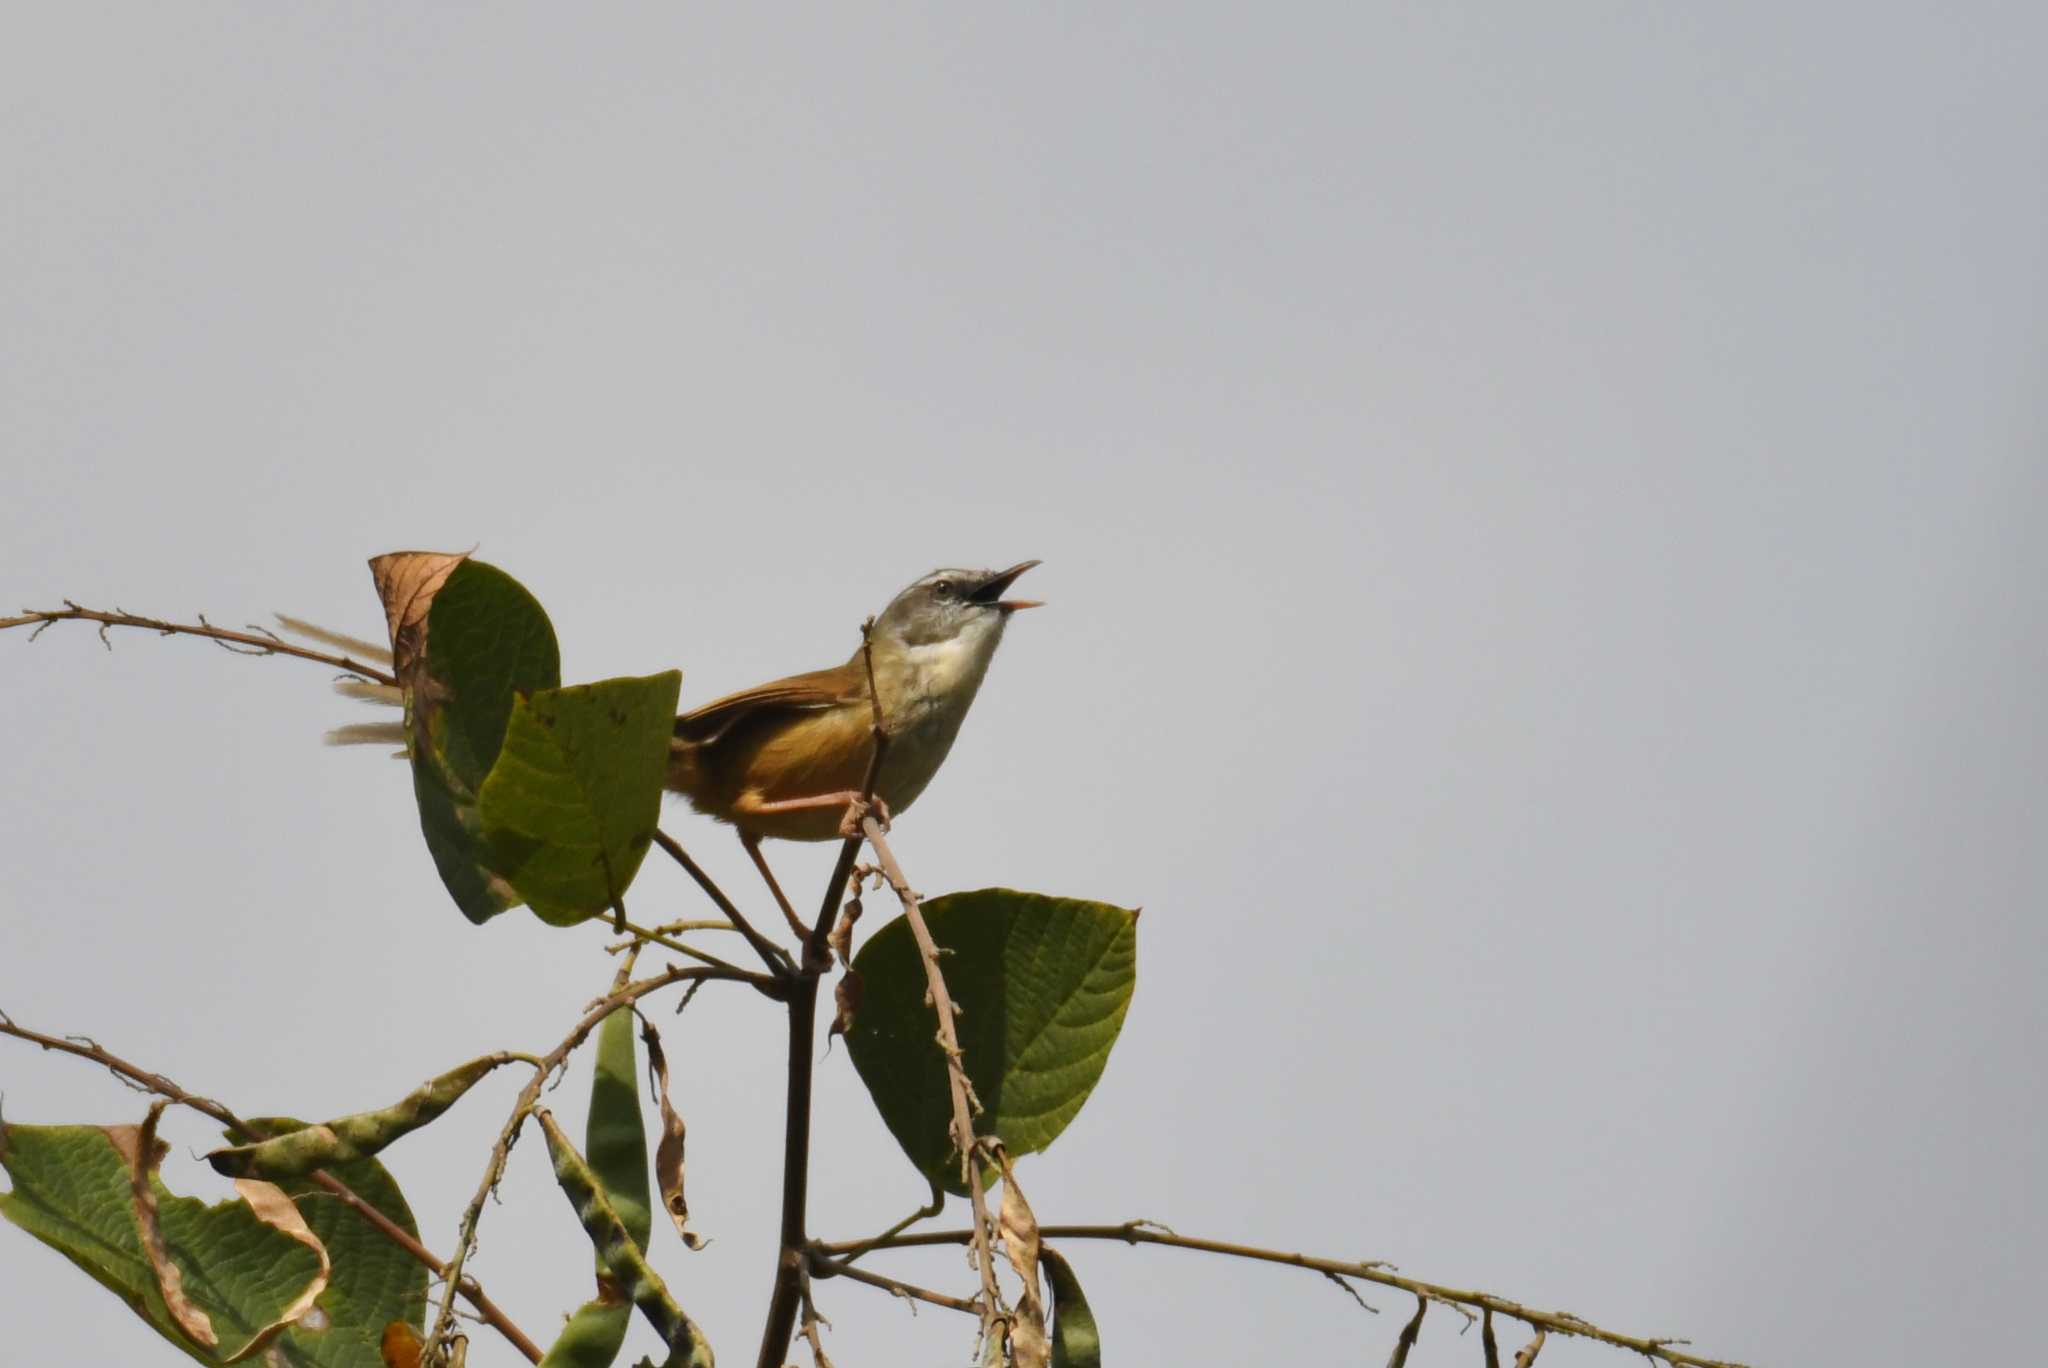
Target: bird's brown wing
<point x="798" y="693"/>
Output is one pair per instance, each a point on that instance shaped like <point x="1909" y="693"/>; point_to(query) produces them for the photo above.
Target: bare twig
<point x="964" y="1104"/>
<point x="1341" y="1281"/>
<point x="644" y="936"/>
<point x="812" y="1320"/>
<point x="156" y="1083"/>
<point x="438" y="1342"/>
<point x="820" y="1266"/>
<point x="1145" y="1232"/>
<point x="772" y="955"/>
<point x="1530" y="1350"/>
<point x="248" y="643"/>
<point x="1486" y="1340"/>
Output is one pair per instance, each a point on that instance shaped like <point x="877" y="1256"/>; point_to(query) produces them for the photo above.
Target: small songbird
<point x="787" y="759"/>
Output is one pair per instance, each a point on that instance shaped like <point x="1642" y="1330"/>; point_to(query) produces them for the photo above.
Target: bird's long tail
<point x="362" y="690"/>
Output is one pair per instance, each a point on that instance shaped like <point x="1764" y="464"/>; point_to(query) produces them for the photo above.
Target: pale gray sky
<point x="1547" y="616"/>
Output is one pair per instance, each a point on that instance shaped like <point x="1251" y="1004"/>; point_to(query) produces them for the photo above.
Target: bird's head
<point x="948" y="605"/>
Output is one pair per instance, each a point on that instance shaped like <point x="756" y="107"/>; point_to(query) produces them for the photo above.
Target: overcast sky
<point x="1540" y="509"/>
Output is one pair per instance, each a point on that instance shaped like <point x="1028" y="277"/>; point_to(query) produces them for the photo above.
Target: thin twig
<point x="962" y="1091"/>
<point x="923" y="1213"/>
<point x="437" y="1341"/>
<point x="645" y="936"/>
<point x="1144" y="1232"/>
<point x="1530" y="1350"/>
<point x="1487" y="1343"/>
<point x="772" y="955"/>
<point x="247" y="643"/>
<point x="161" y="1086"/>
<point x="819" y="1266"/>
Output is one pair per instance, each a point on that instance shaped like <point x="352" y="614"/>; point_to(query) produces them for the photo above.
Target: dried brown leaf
<point x="141" y="1149"/>
<point x="406" y="583"/>
<point x="845" y="1002"/>
<point x="841" y="939"/>
<point x="1029" y="1345"/>
<point x="272" y="1207"/>
<point x="668" y="1153"/>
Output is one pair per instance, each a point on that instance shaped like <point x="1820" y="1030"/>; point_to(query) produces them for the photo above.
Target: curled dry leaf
<point x="841" y="939"/>
<point x="845" y="1002"/>
<point x="276" y="1210"/>
<point x="406" y="583"/>
<point x="668" y="1154"/>
<point x="142" y="1151"/>
<point x="1029" y="1345"/>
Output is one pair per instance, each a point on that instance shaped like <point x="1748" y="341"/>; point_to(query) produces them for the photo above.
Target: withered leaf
<point x="668" y="1153"/>
<point x="845" y="1002"/>
<point x="1029" y="1346"/>
<point x="406" y="584"/>
<point x="275" y="1209"/>
<point x="142" y="1151"/>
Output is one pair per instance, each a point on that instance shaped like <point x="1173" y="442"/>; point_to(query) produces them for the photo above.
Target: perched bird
<point x="787" y="758"/>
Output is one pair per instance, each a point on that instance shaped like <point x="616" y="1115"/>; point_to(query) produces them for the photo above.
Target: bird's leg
<point x="753" y="845"/>
<point x="855" y="803"/>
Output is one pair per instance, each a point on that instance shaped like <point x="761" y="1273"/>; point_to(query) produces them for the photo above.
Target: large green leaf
<point x="570" y="805"/>
<point x="616" y="1141"/>
<point x="374" y="1281"/>
<point x="71" y="1190"/>
<point x="1042" y="984"/>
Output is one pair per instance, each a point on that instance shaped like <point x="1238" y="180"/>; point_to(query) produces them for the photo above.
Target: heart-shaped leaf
<point x="1042" y="984"/>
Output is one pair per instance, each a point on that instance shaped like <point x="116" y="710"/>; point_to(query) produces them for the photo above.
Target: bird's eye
<point x="944" y="589"/>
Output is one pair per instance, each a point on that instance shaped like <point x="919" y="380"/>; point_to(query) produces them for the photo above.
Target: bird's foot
<point x="858" y="810"/>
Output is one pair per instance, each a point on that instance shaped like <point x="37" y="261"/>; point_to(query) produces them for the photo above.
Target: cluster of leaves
<point x="530" y="792"/>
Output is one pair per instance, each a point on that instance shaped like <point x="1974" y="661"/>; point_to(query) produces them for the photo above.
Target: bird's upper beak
<point x="990" y="590"/>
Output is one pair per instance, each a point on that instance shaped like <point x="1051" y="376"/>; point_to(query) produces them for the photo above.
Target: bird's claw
<point x="857" y="813"/>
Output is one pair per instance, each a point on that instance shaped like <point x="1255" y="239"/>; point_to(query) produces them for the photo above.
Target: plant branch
<point x="258" y="642"/>
<point x="820" y="1266"/>
<point x="501" y="1151"/>
<point x="643" y="936"/>
<point x="772" y="955"/>
<point x="964" y="1103"/>
<point x="786" y="1297"/>
<point x="156" y="1083"/>
<point x="1143" y="1232"/>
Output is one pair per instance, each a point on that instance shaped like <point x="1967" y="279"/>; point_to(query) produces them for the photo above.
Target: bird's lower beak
<point x="990" y="590"/>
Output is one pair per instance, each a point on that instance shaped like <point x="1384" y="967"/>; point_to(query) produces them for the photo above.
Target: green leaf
<point x="616" y="1141"/>
<point x="1042" y="984"/>
<point x="467" y="641"/>
<point x="570" y="805"/>
<point x="1075" y="1343"/>
<point x="374" y="1281"/>
<point x="71" y="1191"/>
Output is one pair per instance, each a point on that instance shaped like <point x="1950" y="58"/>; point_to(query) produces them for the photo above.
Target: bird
<point x="788" y="759"/>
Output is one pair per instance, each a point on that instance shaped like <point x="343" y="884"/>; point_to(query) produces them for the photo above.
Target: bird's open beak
<point x="990" y="590"/>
